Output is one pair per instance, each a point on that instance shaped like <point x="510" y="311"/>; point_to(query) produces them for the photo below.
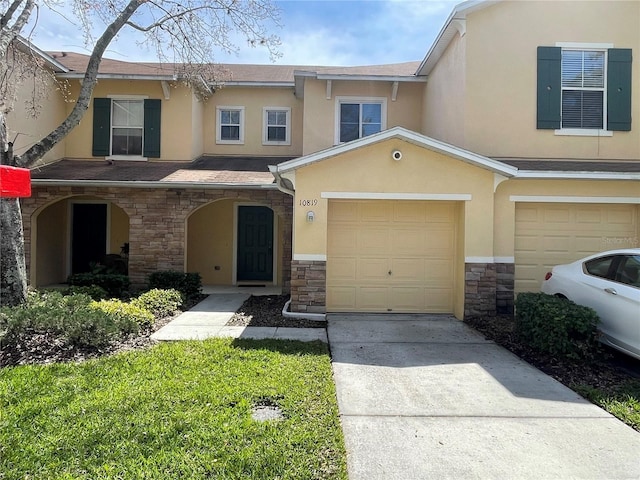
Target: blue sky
<point x="328" y="32"/>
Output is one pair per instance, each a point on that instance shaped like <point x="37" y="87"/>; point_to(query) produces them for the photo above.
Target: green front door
<point x="255" y="244"/>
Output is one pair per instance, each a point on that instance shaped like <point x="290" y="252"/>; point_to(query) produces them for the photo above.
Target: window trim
<point x="589" y="132"/>
<point x="360" y="100"/>
<point x="219" y="139"/>
<point x="140" y="158"/>
<point x="265" y="126"/>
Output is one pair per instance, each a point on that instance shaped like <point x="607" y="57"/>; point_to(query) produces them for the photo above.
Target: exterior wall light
<point x="396" y="155"/>
<point x="311" y="216"/>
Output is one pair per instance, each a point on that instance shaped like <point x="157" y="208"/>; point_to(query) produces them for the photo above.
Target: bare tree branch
<point x="23" y="18"/>
<point x="4" y="21"/>
<point x="38" y="150"/>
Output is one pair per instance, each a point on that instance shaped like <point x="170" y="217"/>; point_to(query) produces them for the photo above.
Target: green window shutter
<point x="101" y="127"/>
<point x="152" y="128"/>
<point x="619" y="89"/>
<point x="549" y="91"/>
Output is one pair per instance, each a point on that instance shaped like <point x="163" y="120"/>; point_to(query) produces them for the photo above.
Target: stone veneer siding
<point x="157" y="220"/>
<point x="505" y="288"/>
<point x="480" y="290"/>
<point x="308" y="286"/>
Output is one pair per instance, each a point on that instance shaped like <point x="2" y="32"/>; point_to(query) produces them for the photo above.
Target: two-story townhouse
<point x="445" y="185"/>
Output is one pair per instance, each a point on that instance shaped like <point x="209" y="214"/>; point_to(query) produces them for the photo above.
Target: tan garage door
<point x="390" y="256"/>
<point x="552" y="234"/>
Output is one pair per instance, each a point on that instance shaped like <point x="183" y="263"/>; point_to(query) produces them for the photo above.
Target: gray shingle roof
<point x="207" y="169"/>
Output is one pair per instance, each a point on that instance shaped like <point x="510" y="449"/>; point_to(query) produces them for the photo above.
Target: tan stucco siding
<point x="444" y="99"/>
<point x="210" y="242"/>
<point x="320" y="112"/>
<point x="501" y="45"/>
<point x="51" y="252"/>
<point x="550" y="191"/>
<point x="372" y="170"/>
<point x="118" y="229"/>
<point x="253" y="99"/>
<point x="176" y="117"/>
<point x="197" y="126"/>
<point x="27" y="125"/>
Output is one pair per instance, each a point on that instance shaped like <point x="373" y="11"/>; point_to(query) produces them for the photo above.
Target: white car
<point x="608" y="282"/>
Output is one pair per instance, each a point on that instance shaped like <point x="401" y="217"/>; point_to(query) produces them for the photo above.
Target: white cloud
<point x="315" y="33"/>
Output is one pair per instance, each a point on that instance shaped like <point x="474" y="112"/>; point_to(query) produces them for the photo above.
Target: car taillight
<point x="548" y="276"/>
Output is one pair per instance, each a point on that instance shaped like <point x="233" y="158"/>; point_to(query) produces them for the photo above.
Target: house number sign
<point x="309" y="203"/>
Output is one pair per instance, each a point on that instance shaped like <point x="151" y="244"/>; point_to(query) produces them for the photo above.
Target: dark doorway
<point x="88" y="235"/>
<point x="255" y="244"/>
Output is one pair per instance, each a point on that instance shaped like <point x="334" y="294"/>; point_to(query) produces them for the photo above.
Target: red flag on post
<point x="14" y="182"/>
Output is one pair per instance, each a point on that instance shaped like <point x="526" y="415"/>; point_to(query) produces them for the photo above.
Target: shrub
<point x="557" y="326"/>
<point x="188" y="284"/>
<point x="128" y="318"/>
<point x="161" y="303"/>
<point x="116" y="285"/>
<point x="68" y="317"/>
<point x="96" y="292"/>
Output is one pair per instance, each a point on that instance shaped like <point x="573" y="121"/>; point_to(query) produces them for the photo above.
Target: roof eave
<point x="406" y="135"/>
<point x="48" y="59"/>
<point x="448" y="31"/>
<point x="118" y="76"/>
<point x="581" y="175"/>
<point x="152" y="184"/>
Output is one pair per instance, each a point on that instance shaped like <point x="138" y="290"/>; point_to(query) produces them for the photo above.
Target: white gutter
<point x="45" y="56"/>
<point x="276" y="173"/>
<point x="374" y="78"/>
<point x="120" y="76"/>
<point x="151" y="184"/>
<point x="258" y="84"/>
<point x="533" y="174"/>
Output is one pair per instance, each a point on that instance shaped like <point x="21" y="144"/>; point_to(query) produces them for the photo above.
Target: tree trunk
<point x="13" y="270"/>
<point x="13" y="277"/>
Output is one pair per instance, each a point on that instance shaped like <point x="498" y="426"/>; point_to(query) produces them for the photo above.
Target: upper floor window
<point x="276" y="129"/>
<point x="359" y="117"/>
<point x="126" y="127"/>
<point x="584" y="89"/>
<point x="230" y="127"/>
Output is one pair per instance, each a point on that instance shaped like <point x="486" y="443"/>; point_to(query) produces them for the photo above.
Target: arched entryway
<point x="234" y="242"/>
<point x="74" y="235"/>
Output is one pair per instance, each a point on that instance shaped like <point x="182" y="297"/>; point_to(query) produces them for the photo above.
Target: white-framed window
<point x="230" y="125"/>
<point x="127" y="127"/>
<point x="583" y="83"/>
<point x="357" y="117"/>
<point x="276" y="128"/>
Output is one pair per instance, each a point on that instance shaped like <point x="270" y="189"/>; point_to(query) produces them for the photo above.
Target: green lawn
<point x="178" y="410"/>
<point x="623" y="401"/>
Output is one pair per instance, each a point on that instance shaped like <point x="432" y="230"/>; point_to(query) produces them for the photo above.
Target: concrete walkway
<point x="429" y="398"/>
<point x="208" y="319"/>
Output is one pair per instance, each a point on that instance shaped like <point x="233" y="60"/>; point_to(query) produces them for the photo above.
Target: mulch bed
<point x="266" y="311"/>
<point x="613" y="370"/>
<point x="40" y="348"/>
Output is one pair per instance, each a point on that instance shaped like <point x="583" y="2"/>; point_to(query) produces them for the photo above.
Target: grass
<point x="622" y="401"/>
<point x="178" y="410"/>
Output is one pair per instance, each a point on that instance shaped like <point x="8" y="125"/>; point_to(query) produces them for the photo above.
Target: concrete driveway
<point x="429" y="398"/>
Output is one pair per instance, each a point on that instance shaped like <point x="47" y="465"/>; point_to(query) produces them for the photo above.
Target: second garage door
<point x="391" y="256"/>
<point x="549" y="234"/>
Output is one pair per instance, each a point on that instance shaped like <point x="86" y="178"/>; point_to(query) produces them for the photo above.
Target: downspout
<point x="285" y="310"/>
<point x="276" y="173"/>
